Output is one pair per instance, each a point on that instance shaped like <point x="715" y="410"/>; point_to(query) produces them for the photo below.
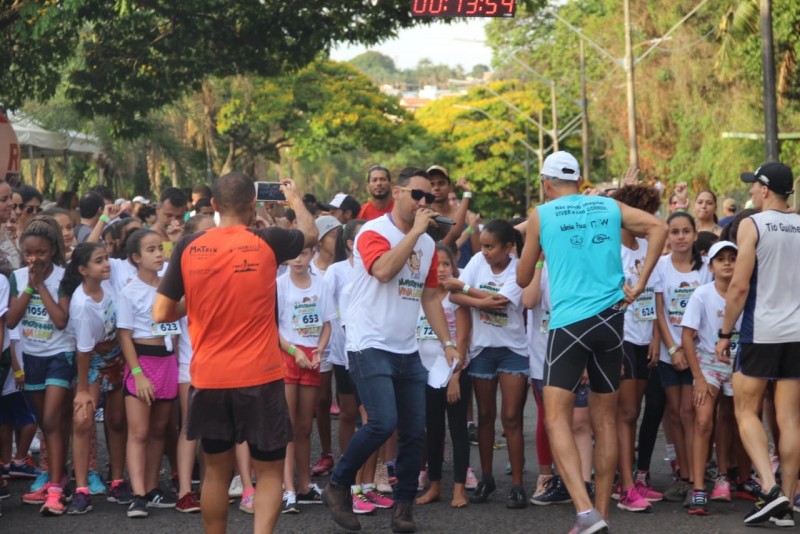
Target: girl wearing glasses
<point x="27" y="205"/>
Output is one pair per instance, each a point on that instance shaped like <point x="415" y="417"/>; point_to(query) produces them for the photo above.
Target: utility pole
<point x="527" y="172"/>
<point x="633" y="147"/>
<point x="584" y="115"/>
<point x="554" y="106"/>
<point x="771" y="149"/>
<point x="541" y="157"/>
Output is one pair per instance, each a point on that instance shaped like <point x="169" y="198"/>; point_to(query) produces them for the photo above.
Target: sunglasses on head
<point x="419" y="194"/>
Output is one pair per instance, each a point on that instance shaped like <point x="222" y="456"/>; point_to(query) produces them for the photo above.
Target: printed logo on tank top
<point x="780" y="227"/>
<point x="411" y="288"/>
<point x="491" y="318"/>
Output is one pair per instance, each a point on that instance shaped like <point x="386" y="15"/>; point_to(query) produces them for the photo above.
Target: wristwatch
<point x="449" y="343"/>
<point x="720" y="335"/>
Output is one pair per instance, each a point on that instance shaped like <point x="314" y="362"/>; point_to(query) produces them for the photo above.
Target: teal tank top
<point x="581" y="239"/>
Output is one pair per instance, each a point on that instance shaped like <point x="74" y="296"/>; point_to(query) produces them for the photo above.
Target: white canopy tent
<point x="36" y="142"/>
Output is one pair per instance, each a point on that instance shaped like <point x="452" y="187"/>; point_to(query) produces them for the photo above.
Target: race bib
<point x="165" y="329"/>
<point x="678" y="299"/>
<point x="36" y="323"/>
<point x="306" y="316"/>
<point x="424" y="330"/>
<point x="644" y="307"/>
<point x="735" y="344"/>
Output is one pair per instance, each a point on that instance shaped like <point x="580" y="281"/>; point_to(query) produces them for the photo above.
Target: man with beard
<point x="379" y="185"/>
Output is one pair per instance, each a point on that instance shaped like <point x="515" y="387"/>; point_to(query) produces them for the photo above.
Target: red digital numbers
<point x="492" y="8"/>
<point x="462" y="8"/>
<point x="472" y="7"/>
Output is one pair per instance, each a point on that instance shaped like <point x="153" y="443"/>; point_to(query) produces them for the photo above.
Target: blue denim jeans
<point x="391" y="388"/>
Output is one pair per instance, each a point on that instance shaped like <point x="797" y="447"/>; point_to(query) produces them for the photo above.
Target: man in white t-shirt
<point x="395" y="264"/>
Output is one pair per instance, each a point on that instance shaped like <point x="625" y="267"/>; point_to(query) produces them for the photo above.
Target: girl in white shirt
<point x="498" y="350"/>
<point x="93" y="322"/>
<point x="304" y="325"/>
<point x="151" y="373"/>
<point x="677" y="275"/>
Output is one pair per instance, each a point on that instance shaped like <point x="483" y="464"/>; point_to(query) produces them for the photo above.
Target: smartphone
<point x="269" y="192"/>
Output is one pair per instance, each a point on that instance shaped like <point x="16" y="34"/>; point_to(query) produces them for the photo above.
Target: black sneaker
<point x="312" y="496"/>
<point x="158" y="499"/>
<point x="556" y="493"/>
<point x="472" y="433"/>
<point x="784" y="519"/>
<point x="516" y="499"/>
<point x="482" y="492"/>
<point x="138" y="507"/>
<point x="120" y="494"/>
<point x="81" y="504"/>
<point x="289" y="505"/>
<point x="771" y="504"/>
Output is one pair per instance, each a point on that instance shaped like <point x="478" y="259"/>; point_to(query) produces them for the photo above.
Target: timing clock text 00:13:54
<point x="462" y="8"/>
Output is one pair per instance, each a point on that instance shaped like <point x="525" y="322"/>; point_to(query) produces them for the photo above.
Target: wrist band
<point x="292" y="350"/>
<point x="672" y="350"/>
<point x="19" y="374"/>
<point x="467" y="194"/>
<point x="29" y="290"/>
<point x="105" y="218"/>
<point x="470" y="230"/>
<point x="466" y="289"/>
<point x="539" y="264"/>
<point x="136" y="370"/>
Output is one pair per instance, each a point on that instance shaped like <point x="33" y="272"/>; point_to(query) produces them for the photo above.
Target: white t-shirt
<point x="704" y="313"/>
<point x="640" y="317"/>
<point x="92" y="322"/>
<point x="9" y="386"/>
<point x="123" y="271"/>
<point x="430" y="347"/>
<point x="338" y="275"/>
<point x="496" y="329"/>
<point x="538" y="326"/>
<point x="302" y="312"/>
<point x="185" y="351"/>
<point x="676" y="288"/>
<point x="135" y="313"/>
<point x="383" y="315"/>
<point x="42" y="338"/>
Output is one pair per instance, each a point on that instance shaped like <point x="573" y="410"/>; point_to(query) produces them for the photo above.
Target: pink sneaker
<point x="36" y="497"/>
<point x="379" y="500"/>
<point x="334" y="409"/>
<point x="54" y="504"/>
<point x="362" y="505"/>
<point x="647" y="492"/>
<point x="631" y="501"/>
<point x="323" y="467"/>
<point x="722" y="490"/>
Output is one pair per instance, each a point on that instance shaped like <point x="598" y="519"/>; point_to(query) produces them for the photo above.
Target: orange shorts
<point x="295" y="374"/>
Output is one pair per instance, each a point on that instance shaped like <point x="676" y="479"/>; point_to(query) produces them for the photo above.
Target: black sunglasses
<point x="419" y="194"/>
<point x="32" y="209"/>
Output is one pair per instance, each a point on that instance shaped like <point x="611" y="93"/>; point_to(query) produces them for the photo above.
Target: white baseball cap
<point x="561" y="165"/>
<point x="718" y="247"/>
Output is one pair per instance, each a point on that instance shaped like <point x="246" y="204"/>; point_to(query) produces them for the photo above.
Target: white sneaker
<point x="36" y="444"/>
<point x="472" y="481"/>
<point x="236" y="489"/>
<point x="382" y="479"/>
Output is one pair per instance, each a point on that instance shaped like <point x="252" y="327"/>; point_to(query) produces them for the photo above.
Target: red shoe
<point x="334" y="409"/>
<point x="54" y="504"/>
<point x="323" y="467"/>
<point x="189" y="503"/>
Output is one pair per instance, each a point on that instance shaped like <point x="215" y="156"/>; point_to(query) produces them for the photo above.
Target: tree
<point x="126" y="58"/>
<point x="379" y="67"/>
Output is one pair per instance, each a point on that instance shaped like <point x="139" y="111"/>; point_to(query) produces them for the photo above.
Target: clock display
<point x="462" y="8"/>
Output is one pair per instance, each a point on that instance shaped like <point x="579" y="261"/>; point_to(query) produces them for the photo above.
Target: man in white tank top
<point x="765" y="289"/>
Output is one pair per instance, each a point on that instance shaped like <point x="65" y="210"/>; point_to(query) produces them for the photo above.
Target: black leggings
<point x="435" y="408"/>
<point x="654" y="403"/>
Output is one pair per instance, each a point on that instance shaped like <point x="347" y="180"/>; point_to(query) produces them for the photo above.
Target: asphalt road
<point x="492" y="517"/>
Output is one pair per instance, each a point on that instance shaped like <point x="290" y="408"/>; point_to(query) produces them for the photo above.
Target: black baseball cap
<point x="776" y="176"/>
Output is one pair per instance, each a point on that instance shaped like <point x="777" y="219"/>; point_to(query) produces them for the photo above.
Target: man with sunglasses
<point x="442" y="188"/>
<point x="379" y="185"/>
<point x="396" y="266"/>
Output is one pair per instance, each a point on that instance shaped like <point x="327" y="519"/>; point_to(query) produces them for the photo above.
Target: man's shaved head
<point x="233" y="192"/>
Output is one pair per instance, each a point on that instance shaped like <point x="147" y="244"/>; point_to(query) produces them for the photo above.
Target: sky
<point x="451" y="45"/>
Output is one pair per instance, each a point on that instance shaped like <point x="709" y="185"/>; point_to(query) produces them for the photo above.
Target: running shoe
<point x="246" y="504"/>
<point x="472" y="481"/>
<point x="382" y="479"/>
<point x="541" y="485"/>
<point x="99" y="415"/>
<point x="158" y="499"/>
<point x="138" y="507"/>
<point x="768" y="505"/>
<point x="589" y="523"/>
<point x="334" y="409"/>
<point x="312" y="496"/>
<point x="784" y="519"/>
<point x="36" y="497"/>
<point x="749" y="490"/>
<point x="472" y="433"/>
<point x="323" y="467"/>
<point x="516" y="498"/>
<point x="81" y="504"/>
<point x="54" y="503"/>
<point x="378" y="499"/>
<point x="422" y="480"/>
<point x="482" y="492"/>
<point x="616" y="491"/>
<point x="556" y="493"/>
<point x="236" y="489"/>
<point x="722" y="490"/>
<point x="189" y="503"/>
<point x="677" y="491"/>
<point x="632" y="501"/>
<point x="361" y="504"/>
<point x="24" y="468"/>
<point x="647" y="492"/>
<point x="699" y="503"/>
<point x="643" y="477"/>
<point x="96" y="486"/>
<point x="289" y="503"/>
<point x="41" y="481"/>
<point x="120" y="493"/>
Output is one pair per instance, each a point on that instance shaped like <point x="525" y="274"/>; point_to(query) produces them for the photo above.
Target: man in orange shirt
<point x="227" y="275"/>
<point x="379" y="185"/>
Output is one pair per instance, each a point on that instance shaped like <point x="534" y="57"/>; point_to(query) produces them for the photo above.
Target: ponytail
<point x="505" y="233"/>
<point x="72" y="275"/>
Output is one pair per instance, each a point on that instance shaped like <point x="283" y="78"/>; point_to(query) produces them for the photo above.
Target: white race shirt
<point x="430" y="347"/>
<point x="135" y="313"/>
<point x="42" y="338"/>
<point x="704" y="313"/>
<point x="337" y="277"/>
<point x="123" y="271"/>
<point x="640" y="317"/>
<point x="302" y="312"/>
<point x="92" y="322"/>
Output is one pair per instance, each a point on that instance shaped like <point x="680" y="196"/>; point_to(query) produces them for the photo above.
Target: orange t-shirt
<point x="368" y="211"/>
<point x="228" y="277"/>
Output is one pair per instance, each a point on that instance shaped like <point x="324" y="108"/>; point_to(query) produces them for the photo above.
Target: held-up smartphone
<point x="269" y="192"/>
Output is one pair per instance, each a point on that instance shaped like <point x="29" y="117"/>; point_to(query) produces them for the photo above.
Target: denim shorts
<point x="43" y="371"/>
<point x="671" y="377"/>
<point x="492" y="361"/>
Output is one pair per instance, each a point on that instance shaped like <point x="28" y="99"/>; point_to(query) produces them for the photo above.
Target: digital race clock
<point x="462" y="8"/>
